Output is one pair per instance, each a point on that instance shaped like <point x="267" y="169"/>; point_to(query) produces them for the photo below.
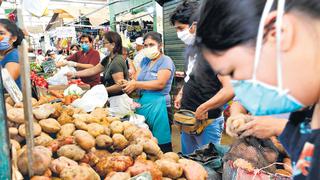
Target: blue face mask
<point x="4" y="44"/>
<point x="260" y="98"/>
<point x="85" y="47"/>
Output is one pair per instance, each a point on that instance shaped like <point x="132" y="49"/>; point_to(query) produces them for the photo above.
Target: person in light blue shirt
<point x="11" y="37"/>
<point x="154" y="83"/>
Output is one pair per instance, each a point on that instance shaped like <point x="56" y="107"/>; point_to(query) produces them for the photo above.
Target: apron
<point x="154" y="109"/>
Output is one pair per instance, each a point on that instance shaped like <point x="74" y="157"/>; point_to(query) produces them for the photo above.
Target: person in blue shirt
<point x="154" y="82"/>
<point x="11" y="37"/>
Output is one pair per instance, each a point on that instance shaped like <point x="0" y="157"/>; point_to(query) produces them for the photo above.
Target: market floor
<point x="226" y="140"/>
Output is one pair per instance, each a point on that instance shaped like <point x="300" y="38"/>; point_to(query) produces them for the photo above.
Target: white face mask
<point x="151" y="52"/>
<point x="73" y="51"/>
<point x="187" y="37"/>
<point x="105" y="51"/>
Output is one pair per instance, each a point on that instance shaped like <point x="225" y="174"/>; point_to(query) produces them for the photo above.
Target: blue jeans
<point x="212" y="133"/>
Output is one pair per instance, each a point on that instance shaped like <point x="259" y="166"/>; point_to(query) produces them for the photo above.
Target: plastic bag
<point x="121" y="105"/>
<point x="59" y="78"/>
<point x="138" y="120"/>
<point x="11" y="86"/>
<point x="73" y="90"/>
<point x="95" y="97"/>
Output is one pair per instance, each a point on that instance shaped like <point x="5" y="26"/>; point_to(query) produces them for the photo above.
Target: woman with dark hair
<point x="270" y="49"/>
<point x="74" y="48"/>
<point x="113" y="66"/>
<point x="154" y="83"/>
<point x="11" y="37"/>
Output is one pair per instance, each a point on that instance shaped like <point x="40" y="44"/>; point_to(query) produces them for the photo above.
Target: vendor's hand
<point x="260" y="127"/>
<point x="129" y="87"/>
<point x="72" y="63"/>
<point x="201" y="112"/>
<point x="236" y="121"/>
<point x="61" y="64"/>
<point x="177" y="101"/>
<point x="70" y="75"/>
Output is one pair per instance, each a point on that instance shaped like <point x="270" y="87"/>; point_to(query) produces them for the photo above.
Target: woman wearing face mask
<point x="74" y="48"/>
<point x="154" y="83"/>
<point x="10" y="38"/>
<point x="113" y="66"/>
<point x="273" y="50"/>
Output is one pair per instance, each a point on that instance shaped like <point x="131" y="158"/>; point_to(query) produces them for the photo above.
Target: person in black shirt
<point x="204" y="92"/>
<point x="270" y="49"/>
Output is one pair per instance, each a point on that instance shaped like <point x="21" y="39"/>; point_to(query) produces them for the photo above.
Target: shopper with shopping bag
<point x="154" y="83"/>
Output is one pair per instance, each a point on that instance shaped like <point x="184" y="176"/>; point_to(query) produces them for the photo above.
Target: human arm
<point x="87" y="72"/>
<point x="262" y="127"/>
<point x="117" y="77"/>
<point x="154" y="85"/>
<point x="177" y="101"/>
<point x="13" y="69"/>
<point x="224" y="95"/>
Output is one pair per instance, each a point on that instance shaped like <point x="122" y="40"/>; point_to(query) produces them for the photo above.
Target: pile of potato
<point x="71" y="144"/>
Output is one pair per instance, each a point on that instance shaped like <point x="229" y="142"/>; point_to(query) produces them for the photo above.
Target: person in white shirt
<point x="139" y="55"/>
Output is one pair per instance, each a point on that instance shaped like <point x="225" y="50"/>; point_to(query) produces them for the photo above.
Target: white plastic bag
<point x="73" y="90"/>
<point x="120" y="105"/>
<point x="138" y="120"/>
<point x="11" y="86"/>
<point x="95" y="97"/>
<point x="60" y="78"/>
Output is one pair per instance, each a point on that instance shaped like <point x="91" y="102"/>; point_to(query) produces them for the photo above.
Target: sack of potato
<point x="72" y="144"/>
<point x="251" y="158"/>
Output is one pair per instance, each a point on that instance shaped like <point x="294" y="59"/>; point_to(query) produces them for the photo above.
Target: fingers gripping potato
<point x="234" y="122"/>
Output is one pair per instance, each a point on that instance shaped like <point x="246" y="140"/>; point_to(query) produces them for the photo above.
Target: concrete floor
<point x="226" y="140"/>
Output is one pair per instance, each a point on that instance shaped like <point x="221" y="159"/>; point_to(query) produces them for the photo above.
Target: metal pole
<point x="26" y="91"/>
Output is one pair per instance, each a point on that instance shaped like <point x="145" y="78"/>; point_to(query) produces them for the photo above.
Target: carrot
<point x="67" y="100"/>
<point x="56" y="93"/>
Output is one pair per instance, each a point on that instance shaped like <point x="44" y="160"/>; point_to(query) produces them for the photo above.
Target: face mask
<point x="105" y="51"/>
<point x="186" y="36"/>
<point x="260" y="98"/>
<point x="85" y="47"/>
<point x="151" y="52"/>
<point x="73" y="52"/>
<point x="4" y="44"/>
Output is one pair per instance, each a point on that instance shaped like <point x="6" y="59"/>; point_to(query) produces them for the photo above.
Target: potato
<point x="40" y="178"/>
<point x="43" y="140"/>
<point x="18" y="138"/>
<point x="71" y="151"/>
<point x="13" y="132"/>
<point x="150" y="147"/>
<point x="128" y="132"/>
<point x="10" y="101"/>
<point x="107" y="131"/>
<point x="104" y="141"/>
<point x="127" y="124"/>
<point x="16" y="115"/>
<point x="119" y="141"/>
<point x="283" y="172"/>
<point x="111" y="119"/>
<point x="116" y="127"/>
<point x="61" y="163"/>
<point x="8" y="107"/>
<point x="133" y="150"/>
<point x="15" y="144"/>
<point x="65" y="118"/>
<point x="170" y="169"/>
<point x="95" y="129"/>
<point x="66" y="130"/>
<point x="50" y="125"/>
<point x="118" y="176"/>
<point x="81" y="125"/>
<point x="171" y="156"/>
<point x="104" y="122"/>
<point x="117" y="163"/>
<point x="79" y="172"/>
<point x="41" y="160"/>
<point x="36" y="129"/>
<point x="166" y="178"/>
<point x="100" y="113"/>
<point x="43" y="111"/>
<point x="193" y="170"/>
<point x="142" y="157"/>
<point x="18" y="105"/>
<point x="87" y="118"/>
<point x="84" y="140"/>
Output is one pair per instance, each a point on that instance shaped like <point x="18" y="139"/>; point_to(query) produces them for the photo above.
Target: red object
<point x="91" y="57"/>
<point x="38" y="81"/>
